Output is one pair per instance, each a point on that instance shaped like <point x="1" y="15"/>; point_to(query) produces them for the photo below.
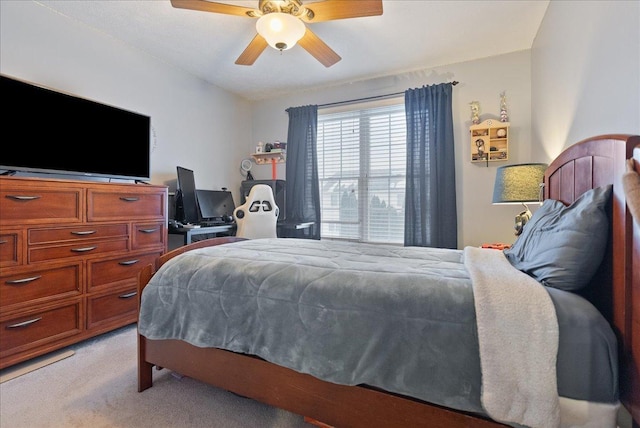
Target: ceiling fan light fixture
<point x="281" y="30"/>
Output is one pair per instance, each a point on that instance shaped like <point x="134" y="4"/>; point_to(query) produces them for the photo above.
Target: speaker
<point x="179" y="206"/>
<point x="279" y="192"/>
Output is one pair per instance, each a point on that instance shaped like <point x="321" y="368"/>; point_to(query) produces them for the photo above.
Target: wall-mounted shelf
<point x="490" y="141"/>
<point x="269" y="157"/>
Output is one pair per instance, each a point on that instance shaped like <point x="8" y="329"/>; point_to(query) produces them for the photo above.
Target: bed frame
<point x="584" y="165"/>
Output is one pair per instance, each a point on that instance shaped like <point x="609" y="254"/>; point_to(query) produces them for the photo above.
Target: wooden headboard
<point x="589" y="164"/>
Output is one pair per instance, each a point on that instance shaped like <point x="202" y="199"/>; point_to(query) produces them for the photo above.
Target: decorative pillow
<point x="563" y="246"/>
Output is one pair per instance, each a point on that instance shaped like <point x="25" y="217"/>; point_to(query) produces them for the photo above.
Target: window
<point x="362" y="170"/>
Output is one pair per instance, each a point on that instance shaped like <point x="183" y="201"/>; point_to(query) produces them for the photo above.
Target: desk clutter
<point x="175" y="225"/>
<point x="201" y="207"/>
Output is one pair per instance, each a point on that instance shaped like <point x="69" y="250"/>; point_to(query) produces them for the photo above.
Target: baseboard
<point x="34" y="364"/>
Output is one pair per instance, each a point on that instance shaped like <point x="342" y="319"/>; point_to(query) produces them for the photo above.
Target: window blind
<point x="362" y="171"/>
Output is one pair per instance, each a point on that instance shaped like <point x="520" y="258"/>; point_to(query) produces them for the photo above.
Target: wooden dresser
<point x="70" y="253"/>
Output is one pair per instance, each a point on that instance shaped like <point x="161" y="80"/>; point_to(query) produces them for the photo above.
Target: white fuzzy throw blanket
<point x="518" y="338"/>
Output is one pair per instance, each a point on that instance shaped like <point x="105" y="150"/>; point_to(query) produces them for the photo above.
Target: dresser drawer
<point x="76" y="233"/>
<point x="10" y="248"/>
<point x="38" y="285"/>
<point x="117" y="271"/>
<point x="126" y="204"/>
<point x="120" y="307"/>
<point x="35" y="205"/>
<point x="146" y="235"/>
<point x="40" y="327"/>
<point x="80" y="249"/>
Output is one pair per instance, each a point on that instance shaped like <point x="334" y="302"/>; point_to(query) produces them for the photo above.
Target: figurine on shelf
<point x="480" y="147"/>
<point x="475" y="112"/>
<point x="503" y="107"/>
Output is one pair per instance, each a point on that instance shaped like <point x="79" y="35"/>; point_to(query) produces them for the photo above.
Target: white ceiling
<point x="409" y="35"/>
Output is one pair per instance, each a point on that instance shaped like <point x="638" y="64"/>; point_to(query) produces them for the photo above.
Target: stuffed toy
<point x="631" y="186"/>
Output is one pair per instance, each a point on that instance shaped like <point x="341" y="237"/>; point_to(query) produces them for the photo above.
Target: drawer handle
<point x="23" y="198"/>
<point x="24" y="323"/>
<point x="128" y="295"/>
<point x="148" y="230"/>
<point x="3" y="242"/>
<point x="84" y="232"/>
<point x="128" y="262"/>
<point x="23" y="280"/>
<point x="83" y="250"/>
<point x="129" y="199"/>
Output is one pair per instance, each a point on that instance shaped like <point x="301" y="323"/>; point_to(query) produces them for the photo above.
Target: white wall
<point x="483" y="80"/>
<point x="585" y="73"/>
<point x="196" y="125"/>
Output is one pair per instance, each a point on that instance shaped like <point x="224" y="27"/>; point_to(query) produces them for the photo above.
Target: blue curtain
<point x="430" y="210"/>
<point x="302" y="184"/>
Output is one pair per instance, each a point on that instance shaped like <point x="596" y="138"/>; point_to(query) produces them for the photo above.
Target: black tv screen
<point x="52" y="132"/>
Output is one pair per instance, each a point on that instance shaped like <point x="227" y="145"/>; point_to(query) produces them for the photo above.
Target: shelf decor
<point x="503" y="107"/>
<point x="475" y="112"/>
<point x="273" y="153"/>
<point x="490" y="141"/>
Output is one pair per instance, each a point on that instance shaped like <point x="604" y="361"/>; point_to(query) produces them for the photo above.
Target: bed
<point x="308" y="382"/>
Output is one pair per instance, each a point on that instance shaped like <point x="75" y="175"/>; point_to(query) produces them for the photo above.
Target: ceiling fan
<point x="281" y="23"/>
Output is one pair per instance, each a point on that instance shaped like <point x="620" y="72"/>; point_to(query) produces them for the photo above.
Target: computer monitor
<point x="215" y="204"/>
<point x="186" y="196"/>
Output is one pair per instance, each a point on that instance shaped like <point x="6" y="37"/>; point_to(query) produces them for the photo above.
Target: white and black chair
<point x="258" y="216"/>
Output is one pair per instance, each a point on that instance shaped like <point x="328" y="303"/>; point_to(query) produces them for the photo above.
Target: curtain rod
<point x="375" y="97"/>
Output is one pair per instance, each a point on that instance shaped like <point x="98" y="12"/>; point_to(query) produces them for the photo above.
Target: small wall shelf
<point x="269" y="157"/>
<point x="490" y="141"/>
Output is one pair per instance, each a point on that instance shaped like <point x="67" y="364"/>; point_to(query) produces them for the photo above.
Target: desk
<point x="286" y="229"/>
<point x="289" y="229"/>
<point x="189" y="233"/>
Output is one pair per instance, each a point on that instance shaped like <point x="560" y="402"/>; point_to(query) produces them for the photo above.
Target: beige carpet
<point x="97" y="387"/>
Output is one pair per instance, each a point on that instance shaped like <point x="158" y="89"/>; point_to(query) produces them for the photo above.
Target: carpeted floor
<point x="97" y="387"/>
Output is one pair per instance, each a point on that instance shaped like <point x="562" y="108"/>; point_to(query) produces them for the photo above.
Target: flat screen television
<point x="46" y="131"/>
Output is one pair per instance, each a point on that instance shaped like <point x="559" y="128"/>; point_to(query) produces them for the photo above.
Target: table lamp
<point x="519" y="184"/>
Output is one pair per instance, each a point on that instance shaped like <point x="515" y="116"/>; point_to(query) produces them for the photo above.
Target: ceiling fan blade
<point x="208" y="6"/>
<point x="252" y="51"/>
<point x="330" y="10"/>
<point x="319" y="49"/>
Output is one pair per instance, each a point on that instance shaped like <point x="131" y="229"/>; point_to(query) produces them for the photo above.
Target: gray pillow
<point x="563" y="246"/>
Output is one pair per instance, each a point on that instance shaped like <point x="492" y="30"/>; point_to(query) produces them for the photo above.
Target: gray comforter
<point x="398" y="318"/>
